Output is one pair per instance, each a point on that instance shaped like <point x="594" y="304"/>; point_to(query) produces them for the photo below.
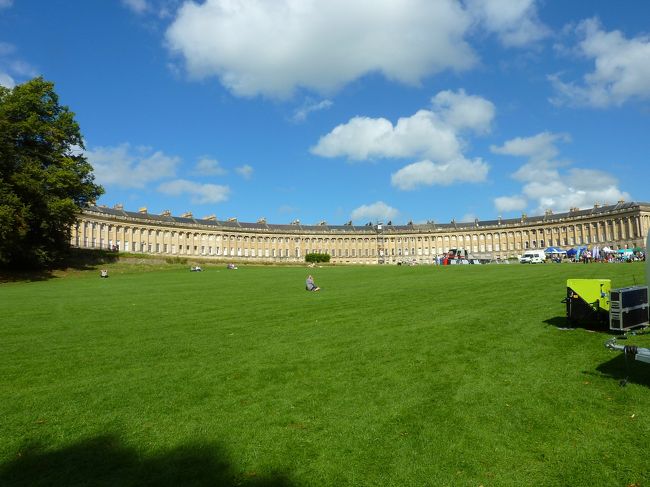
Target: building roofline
<point x="324" y="228"/>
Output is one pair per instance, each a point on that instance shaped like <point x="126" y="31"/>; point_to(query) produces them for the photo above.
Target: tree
<point x="45" y="180"/>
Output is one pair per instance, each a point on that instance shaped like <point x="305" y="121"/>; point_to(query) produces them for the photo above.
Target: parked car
<point x="533" y="257"/>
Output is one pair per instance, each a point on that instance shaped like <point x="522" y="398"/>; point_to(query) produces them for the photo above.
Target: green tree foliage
<point x="44" y="178"/>
<point x="316" y="257"/>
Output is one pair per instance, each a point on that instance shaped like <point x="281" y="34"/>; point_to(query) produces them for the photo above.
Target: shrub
<point x="317" y="257"/>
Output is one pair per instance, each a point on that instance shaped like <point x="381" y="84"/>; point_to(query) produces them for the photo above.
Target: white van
<point x="533" y="257"/>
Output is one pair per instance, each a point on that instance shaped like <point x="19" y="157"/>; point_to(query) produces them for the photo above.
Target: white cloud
<point x="540" y="170"/>
<point x="515" y="22"/>
<point x="427" y="133"/>
<point x="510" y="203"/>
<point x="427" y="173"/>
<point x="300" y="115"/>
<point x="565" y="193"/>
<point x="6" y="80"/>
<point x="272" y="48"/>
<point x="12" y="68"/>
<point x="245" y="171"/>
<point x="209" y="167"/>
<point x="359" y="139"/>
<point x="621" y="69"/>
<point x="6" y="3"/>
<point x="434" y="135"/>
<point x="373" y="212"/>
<point x="463" y="111"/>
<point x="137" y="6"/>
<point x="550" y="187"/>
<point x="21" y="68"/>
<point x="538" y="147"/>
<point x="126" y="167"/>
<point x="199" y="193"/>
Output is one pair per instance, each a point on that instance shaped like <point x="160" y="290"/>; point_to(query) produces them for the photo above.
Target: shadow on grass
<point x="105" y="461"/>
<point x="76" y="259"/>
<point x="632" y="371"/>
<point x="559" y="322"/>
<point x="82" y="259"/>
<point x="562" y="322"/>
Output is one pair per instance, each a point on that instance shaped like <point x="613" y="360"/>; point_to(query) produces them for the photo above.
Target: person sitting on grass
<point x="310" y="285"/>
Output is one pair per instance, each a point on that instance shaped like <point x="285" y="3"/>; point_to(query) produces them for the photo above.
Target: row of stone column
<point x="105" y="234"/>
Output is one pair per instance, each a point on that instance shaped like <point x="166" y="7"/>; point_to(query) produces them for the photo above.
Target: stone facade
<point x="624" y="225"/>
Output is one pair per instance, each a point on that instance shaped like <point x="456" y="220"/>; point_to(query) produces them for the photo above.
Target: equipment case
<point x="628" y="308"/>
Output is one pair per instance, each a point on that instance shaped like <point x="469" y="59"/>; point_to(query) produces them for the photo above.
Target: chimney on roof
<point x="261" y="220"/>
<point x="143" y="210"/>
<point x="621" y="201"/>
<point x="166" y="213"/>
<point x="211" y="218"/>
<point x="187" y="214"/>
<point x="499" y="223"/>
<point x="119" y="206"/>
<point x="596" y="205"/>
<point x="232" y="219"/>
<point x="548" y="212"/>
<point x="322" y="223"/>
<point x="295" y="222"/>
<point x="476" y="222"/>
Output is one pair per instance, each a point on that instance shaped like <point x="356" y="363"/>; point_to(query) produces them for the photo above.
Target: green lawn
<point x="391" y="376"/>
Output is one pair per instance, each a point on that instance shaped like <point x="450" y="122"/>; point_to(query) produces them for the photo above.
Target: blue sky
<point x="337" y="110"/>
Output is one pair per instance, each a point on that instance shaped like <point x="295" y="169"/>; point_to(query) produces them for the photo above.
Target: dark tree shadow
<point x="105" y="461"/>
<point x="76" y="259"/>
<point x="32" y="275"/>
<point x="629" y="371"/>
<point x="81" y="259"/>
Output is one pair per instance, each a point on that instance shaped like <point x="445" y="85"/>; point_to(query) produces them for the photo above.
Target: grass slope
<point x="389" y="376"/>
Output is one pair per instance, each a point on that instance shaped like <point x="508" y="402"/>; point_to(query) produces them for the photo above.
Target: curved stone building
<point x="624" y="225"/>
